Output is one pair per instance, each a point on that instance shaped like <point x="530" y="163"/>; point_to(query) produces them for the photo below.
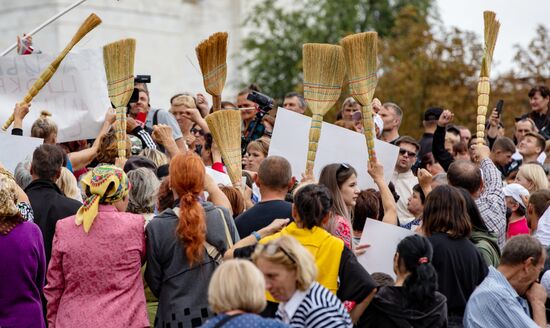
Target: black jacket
<point x="49" y="205"/>
<point x="388" y="310"/>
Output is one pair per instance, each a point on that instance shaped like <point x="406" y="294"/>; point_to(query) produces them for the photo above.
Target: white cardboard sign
<point x="15" y="149"/>
<point x="336" y="145"/>
<point x="76" y="95"/>
<point x="383" y="239"/>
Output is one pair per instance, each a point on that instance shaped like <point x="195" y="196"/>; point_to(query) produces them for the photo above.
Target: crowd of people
<point x="91" y="239"/>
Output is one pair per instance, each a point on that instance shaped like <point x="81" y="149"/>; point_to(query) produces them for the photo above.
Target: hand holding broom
<point x="212" y="55"/>
<point x="89" y="24"/>
<point x="324" y="70"/>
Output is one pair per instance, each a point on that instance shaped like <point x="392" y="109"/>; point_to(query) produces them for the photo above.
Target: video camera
<point x="265" y="104"/>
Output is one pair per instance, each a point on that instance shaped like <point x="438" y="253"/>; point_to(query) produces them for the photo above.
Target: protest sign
<point x="15" y="149"/>
<point x="76" y="95"/>
<point x="336" y="145"/>
<point x="383" y="239"/>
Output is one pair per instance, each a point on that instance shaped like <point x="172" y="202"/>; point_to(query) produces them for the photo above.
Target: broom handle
<point x="216" y="103"/>
<point x="120" y="131"/>
<point x="46" y="23"/>
<point x="368" y="126"/>
<point x="314" y="135"/>
<point x="483" y="90"/>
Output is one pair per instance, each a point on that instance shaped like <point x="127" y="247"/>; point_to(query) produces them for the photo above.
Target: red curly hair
<point x="187" y="180"/>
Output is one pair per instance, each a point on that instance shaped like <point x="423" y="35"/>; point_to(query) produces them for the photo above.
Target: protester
<point x="403" y="177"/>
<point x="429" y="163"/>
<point x="22" y="173"/>
<point x="415" y="205"/>
<point x="510" y="293"/>
<point x="532" y="177"/>
<point x="236" y="308"/>
<point x="413" y="301"/>
<point x="290" y="272"/>
<point x="274" y="180"/>
<point x="295" y="102"/>
<point x="24" y="263"/>
<point x="460" y="267"/>
<point x="252" y="129"/>
<point x="392" y="115"/>
<point x="68" y="185"/>
<point x="539" y="216"/>
<point x="257" y="151"/>
<point x="235" y="198"/>
<point x="349" y="107"/>
<point x="539" y="99"/>
<point x="178" y="266"/>
<point x="107" y="152"/>
<point x="531" y="148"/>
<point x="501" y="153"/>
<point x="431" y="115"/>
<point x="93" y="252"/>
<point x="515" y="209"/>
<point x="143" y="192"/>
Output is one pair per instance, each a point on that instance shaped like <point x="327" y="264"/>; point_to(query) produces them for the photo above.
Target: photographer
<point x="254" y="106"/>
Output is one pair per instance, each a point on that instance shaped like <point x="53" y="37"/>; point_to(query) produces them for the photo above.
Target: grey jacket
<point x="182" y="290"/>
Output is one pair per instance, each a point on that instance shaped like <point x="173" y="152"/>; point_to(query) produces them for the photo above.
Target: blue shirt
<point x="495" y="303"/>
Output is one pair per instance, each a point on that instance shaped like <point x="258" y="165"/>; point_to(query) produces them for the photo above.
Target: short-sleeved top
<point x="164" y="117"/>
<point x="261" y="215"/>
<point x="244" y="321"/>
<point x="518" y="227"/>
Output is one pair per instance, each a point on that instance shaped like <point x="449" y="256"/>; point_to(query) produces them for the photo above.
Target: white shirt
<point x="543" y="228"/>
<point x="289" y="308"/>
<point x="403" y="183"/>
<point x="517" y="156"/>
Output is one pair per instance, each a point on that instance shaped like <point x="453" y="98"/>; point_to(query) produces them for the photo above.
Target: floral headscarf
<point x="104" y="184"/>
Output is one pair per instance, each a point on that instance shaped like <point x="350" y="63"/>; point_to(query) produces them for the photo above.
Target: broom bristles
<point x="491" y="28"/>
<point x="212" y="56"/>
<point x="225" y="127"/>
<point x="119" y="67"/>
<point x="361" y="51"/>
<point x="89" y="24"/>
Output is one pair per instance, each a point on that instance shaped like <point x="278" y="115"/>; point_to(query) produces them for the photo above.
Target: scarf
<point x="105" y="184"/>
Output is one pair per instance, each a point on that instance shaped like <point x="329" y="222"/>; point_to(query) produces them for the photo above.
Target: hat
<point x="515" y="190"/>
<point x="378" y="122"/>
<point x="432" y="114"/>
<point x="135" y="162"/>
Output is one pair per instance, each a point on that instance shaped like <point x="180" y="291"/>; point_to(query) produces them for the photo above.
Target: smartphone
<point x="500" y="105"/>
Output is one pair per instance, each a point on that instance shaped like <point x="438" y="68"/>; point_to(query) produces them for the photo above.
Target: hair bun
<point x="45" y="114"/>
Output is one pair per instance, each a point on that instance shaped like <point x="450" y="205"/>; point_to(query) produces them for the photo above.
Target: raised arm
<point x="19" y="113"/>
<point x="376" y="171"/>
<point x="162" y="134"/>
<point x="441" y="155"/>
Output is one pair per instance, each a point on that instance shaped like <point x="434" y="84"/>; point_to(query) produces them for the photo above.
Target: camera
<point x="265" y="103"/>
<point x="142" y="79"/>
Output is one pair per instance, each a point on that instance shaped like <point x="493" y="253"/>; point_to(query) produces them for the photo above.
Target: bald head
<point x="275" y="173"/>
<point x="465" y="174"/>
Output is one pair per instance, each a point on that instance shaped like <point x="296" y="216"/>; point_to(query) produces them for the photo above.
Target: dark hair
<point x="47" y="161"/>
<point x="445" y="211"/>
<point x="275" y="173"/>
<point x="504" y="144"/>
<point x="420" y="192"/>
<point x="520" y="248"/>
<point x="415" y="255"/>
<point x="464" y="174"/>
<point x="542" y="89"/>
<point x="427" y="159"/>
<point x="312" y="202"/>
<point x="460" y="148"/>
<point x="540" y="200"/>
<point x="473" y="211"/>
<point x="366" y="206"/>
<point x="165" y="197"/>
<point x="382" y="279"/>
<point x="409" y="140"/>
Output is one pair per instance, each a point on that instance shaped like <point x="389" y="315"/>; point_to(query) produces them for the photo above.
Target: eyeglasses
<point x="194" y="131"/>
<point x="342" y="167"/>
<point x="272" y="249"/>
<point x="409" y="153"/>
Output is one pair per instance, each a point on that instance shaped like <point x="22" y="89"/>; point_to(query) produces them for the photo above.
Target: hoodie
<point x="388" y="310"/>
<point x="487" y="245"/>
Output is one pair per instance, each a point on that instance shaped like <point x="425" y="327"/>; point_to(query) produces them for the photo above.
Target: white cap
<point x="379" y="123"/>
<point x="515" y="190"/>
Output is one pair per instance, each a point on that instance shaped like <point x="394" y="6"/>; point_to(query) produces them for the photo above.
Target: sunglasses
<point x="409" y="153"/>
<point x="193" y="130"/>
<point x="343" y="167"/>
<point x="272" y="249"/>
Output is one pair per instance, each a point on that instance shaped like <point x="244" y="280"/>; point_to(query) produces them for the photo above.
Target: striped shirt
<point x="319" y="308"/>
<point x="495" y="303"/>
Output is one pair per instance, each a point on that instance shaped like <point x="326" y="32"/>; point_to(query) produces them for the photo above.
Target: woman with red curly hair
<point x="183" y="246"/>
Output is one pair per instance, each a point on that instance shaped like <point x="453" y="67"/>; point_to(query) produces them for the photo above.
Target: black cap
<point x="135" y="162"/>
<point x="432" y="114"/>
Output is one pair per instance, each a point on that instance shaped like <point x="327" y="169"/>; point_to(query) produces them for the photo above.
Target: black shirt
<point x="261" y="215"/>
<point x="425" y="144"/>
<point x="460" y="269"/>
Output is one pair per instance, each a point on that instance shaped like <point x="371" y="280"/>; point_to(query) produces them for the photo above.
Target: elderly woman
<point x="290" y="272"/>
<point x="24" y="263"/>
<point x="143" y="194"/>
<point x="235" y="308"/>
<point x="184" y="244"/>
<point x="94" y="275"/>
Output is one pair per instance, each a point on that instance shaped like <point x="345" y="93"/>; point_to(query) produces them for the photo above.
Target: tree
<point x="273" y="48"/>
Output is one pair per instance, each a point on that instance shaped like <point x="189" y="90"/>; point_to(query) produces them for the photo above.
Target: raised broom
<point x="89" y="24"/>
<point x="119" y="68"/>
<point x="212" y="55"/>
<point x="324" y="70"/>
<point x="360" y="51"/>
<point x="483" y="87"/>
<point x="225" y="127"/>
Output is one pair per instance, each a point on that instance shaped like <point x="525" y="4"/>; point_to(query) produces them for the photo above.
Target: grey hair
<point x="398" y="111"/>
<point x="520" y="248"/>
<point x="440" y="179"/>
<point x="301" y="99"/>
<point x="22" y="174"/>
<point x="143" y="193"/>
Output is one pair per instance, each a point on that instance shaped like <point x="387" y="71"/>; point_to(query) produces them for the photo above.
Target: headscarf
<point x="104" y="184"/>
<point x="8" y="208"/>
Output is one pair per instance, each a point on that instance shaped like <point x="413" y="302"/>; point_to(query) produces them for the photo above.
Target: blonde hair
<point x="68" y="185"/>
<point x="225" y="290"/>
<point x="260" y="144"/>
<point x="156" y="156"/>
<point x="184" y="100"/>
<point x="535" y="174"/>
<point x="298" y="259"/>
<point x="44" y="126"/>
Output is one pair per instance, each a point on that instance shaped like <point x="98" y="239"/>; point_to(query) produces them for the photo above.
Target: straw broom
<point x="483" y="87"/>
<point x="118" y="58"/>
<point x="360" y="51"/>
<point x="324" y="69"/>
<point x="89" y="24"/>
<point x="225" y="127"/>
<point x="212" y="54"/>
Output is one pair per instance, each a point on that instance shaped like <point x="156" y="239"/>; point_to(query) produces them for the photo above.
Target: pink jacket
<point x="94" y="279"/>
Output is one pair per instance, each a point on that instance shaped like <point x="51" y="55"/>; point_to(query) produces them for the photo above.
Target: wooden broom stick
<point x="483" y="87"/>
<point x="212" y="56"/>
<point x="89" y="24"/>
<point x="119" y="68"/>
<point x="361" y="51"/>
<point x="324" y="70"/>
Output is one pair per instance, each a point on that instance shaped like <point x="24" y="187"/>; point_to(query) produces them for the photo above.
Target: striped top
<point x="319" y="308"/>
<point x="495" y="303"/>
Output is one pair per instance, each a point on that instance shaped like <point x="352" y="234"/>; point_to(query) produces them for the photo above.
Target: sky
<point x="518" y="22"/>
